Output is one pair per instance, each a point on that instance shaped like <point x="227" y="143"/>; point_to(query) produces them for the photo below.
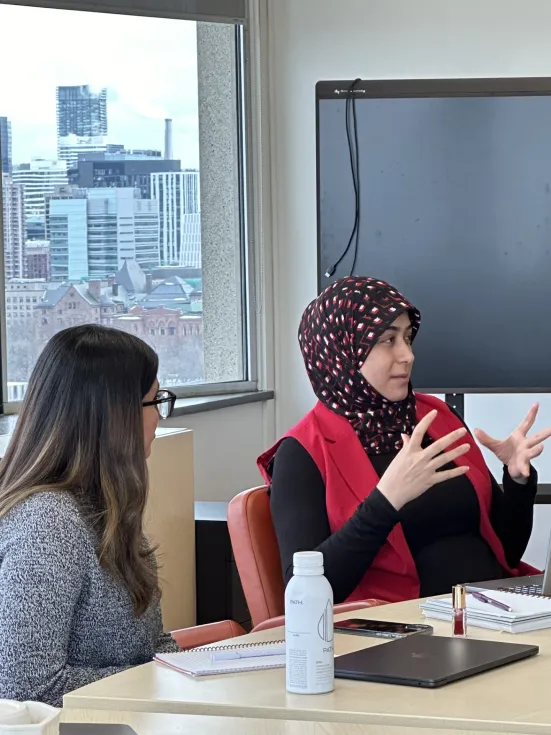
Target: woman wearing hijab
<point x="388" y="484"/>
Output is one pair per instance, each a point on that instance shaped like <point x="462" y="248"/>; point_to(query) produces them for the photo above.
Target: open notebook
<point x="529" y="612"/>
<point x="220" y="659"/>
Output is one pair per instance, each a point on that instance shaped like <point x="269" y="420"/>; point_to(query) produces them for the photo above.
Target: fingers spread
<point x="447" y="457"/>
<point x="527" y="423"/>
<point x="439" y="446"/>
<point x="485" y="439"/>
<point x="422" y="428"/>
<point x="539" y="437"/>
<point x="535" y="451"/>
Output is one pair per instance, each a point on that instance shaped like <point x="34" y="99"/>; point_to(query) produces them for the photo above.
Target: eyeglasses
<point x="164" y="401"/>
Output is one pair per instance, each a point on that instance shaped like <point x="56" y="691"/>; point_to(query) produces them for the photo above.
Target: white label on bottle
<point x="297" y="667"/>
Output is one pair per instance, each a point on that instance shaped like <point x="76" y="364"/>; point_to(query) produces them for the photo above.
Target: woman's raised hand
<point x="414" y="469"/>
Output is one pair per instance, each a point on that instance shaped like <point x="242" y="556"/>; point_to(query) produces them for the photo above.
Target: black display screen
<point x="455" y="211"/>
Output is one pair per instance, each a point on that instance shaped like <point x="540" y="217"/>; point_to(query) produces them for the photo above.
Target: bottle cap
<point x="308" y="560"/>
<point x="459" y="597"/>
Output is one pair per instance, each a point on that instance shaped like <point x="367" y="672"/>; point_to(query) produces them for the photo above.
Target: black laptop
<point x="428" y="661"/>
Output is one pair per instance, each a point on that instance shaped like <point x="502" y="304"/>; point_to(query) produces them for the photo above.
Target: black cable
<point x="351" y="123"/>
<point x="357" y="189"/>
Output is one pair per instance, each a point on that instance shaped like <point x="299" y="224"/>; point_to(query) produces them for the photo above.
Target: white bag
<point x="28" y="718"/>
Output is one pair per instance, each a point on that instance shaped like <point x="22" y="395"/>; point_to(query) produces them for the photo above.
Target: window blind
<point x="224" y="11"/>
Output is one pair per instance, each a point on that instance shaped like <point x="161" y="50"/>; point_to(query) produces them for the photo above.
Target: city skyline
<point x="140" y="94"/>
<point x="101" y="201"/>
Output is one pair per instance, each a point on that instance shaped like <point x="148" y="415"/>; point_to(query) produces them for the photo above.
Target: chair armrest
<point x="202" y="635"/>
<point x="340" y="608"/>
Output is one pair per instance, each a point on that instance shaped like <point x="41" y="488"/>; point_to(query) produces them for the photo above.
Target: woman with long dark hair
<point x="79" y="598"/>
<point x="389" y="484"/>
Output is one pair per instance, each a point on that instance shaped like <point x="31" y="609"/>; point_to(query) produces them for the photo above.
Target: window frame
<point x="248" y="122"/>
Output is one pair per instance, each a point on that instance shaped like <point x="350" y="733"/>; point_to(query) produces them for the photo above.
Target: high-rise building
<point x="68" y="234"/>
<point x="81" y="122"/>
<point x="39" y="179"/>
<point x="94" y="233"/>
<point x="120" y="170"/>
<point x="14" y="229"/>
<point x="38" y="259"/>
<point x="121" y="226"/>
<point x="81" y="112"/>
<point x="178" y="194"/>
<point x="5" y="146"/>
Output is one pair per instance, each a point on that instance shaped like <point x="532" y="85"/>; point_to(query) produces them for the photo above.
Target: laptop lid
<point x="531" y="582"/>
<point x="428" y="661"/>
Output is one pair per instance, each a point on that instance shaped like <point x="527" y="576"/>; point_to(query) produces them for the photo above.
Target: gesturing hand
<point x="414" y="469"/>
<point x="518" y="449"/>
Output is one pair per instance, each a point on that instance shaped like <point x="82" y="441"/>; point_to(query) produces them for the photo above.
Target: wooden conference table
<point x="516" y="698"/>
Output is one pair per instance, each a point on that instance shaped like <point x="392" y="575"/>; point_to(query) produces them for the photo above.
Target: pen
<point x="481" y="597"/>
<point x="250" y="653"/>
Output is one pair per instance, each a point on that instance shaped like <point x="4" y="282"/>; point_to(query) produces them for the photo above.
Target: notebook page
<point x="199" y="662"/>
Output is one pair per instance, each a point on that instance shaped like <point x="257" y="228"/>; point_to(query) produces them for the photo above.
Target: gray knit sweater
<point x="64" y="621"/>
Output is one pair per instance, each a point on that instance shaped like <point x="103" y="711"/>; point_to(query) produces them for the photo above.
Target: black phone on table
<point x="381" y="628"/>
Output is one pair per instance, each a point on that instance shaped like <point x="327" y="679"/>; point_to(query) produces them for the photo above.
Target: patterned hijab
<point x="336" y="334"/>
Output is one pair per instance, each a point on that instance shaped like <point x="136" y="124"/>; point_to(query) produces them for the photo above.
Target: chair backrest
<point x="256" y="553"/>
<point x="202" y="635"/>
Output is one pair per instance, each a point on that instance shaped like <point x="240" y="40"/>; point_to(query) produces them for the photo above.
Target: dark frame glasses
<point x="164" y="401"/>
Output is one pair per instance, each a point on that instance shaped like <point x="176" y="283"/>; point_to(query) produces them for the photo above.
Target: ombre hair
<point x="80" y="430"/>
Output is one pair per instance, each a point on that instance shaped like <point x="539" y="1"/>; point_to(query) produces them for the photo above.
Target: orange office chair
<point x="256" y="553"/>
<point x="202" y="635"/>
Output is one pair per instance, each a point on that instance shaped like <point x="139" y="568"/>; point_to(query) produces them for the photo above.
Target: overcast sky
<point x="149" y="66"/>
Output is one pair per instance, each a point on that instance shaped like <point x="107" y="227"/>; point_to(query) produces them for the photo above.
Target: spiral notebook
<point x="209" y="662"/>
<point x="528" y="612"/>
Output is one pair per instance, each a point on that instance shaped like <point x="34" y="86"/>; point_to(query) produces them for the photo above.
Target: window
<point x="102" y="193"/>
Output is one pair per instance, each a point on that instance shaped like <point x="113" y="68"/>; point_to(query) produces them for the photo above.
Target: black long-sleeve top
<point x="441" y="526"/>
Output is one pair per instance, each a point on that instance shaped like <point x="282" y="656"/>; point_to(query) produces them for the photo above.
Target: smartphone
<point x="381" y="629"/>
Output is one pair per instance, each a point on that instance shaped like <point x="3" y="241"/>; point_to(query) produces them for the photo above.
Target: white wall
<point x="226" y="445"/>
<point x="312" y="40"/>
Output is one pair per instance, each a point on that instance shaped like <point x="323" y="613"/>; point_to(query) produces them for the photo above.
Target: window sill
<point x="199" y="404"/>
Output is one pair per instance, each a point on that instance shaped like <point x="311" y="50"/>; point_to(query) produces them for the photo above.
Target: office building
<point x="68" y="234"/>
<point x="81" y="122"/>
<point x="95" y="231"/>
<point x="121" y="226"/>
<point x="190" y="254"/>
<point x="13" y="216"/>
<point x="60" y="192"/>
<point x="39" y="179"/>
<point x="131" y="169"/>
<point x="178" y="194"/>
<point x="5" y="146"/>
<point x="71" y="147"/>
<point x="38" y="259"/>
<point x="22" y="297"/>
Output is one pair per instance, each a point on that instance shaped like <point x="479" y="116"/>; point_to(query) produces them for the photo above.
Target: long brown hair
<point x="80" y="430"/>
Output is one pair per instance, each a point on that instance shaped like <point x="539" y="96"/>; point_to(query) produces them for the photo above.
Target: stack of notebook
<point x="528" y="612"/>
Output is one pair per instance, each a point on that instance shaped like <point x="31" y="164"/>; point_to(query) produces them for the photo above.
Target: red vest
<point x="349" y="477"/>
